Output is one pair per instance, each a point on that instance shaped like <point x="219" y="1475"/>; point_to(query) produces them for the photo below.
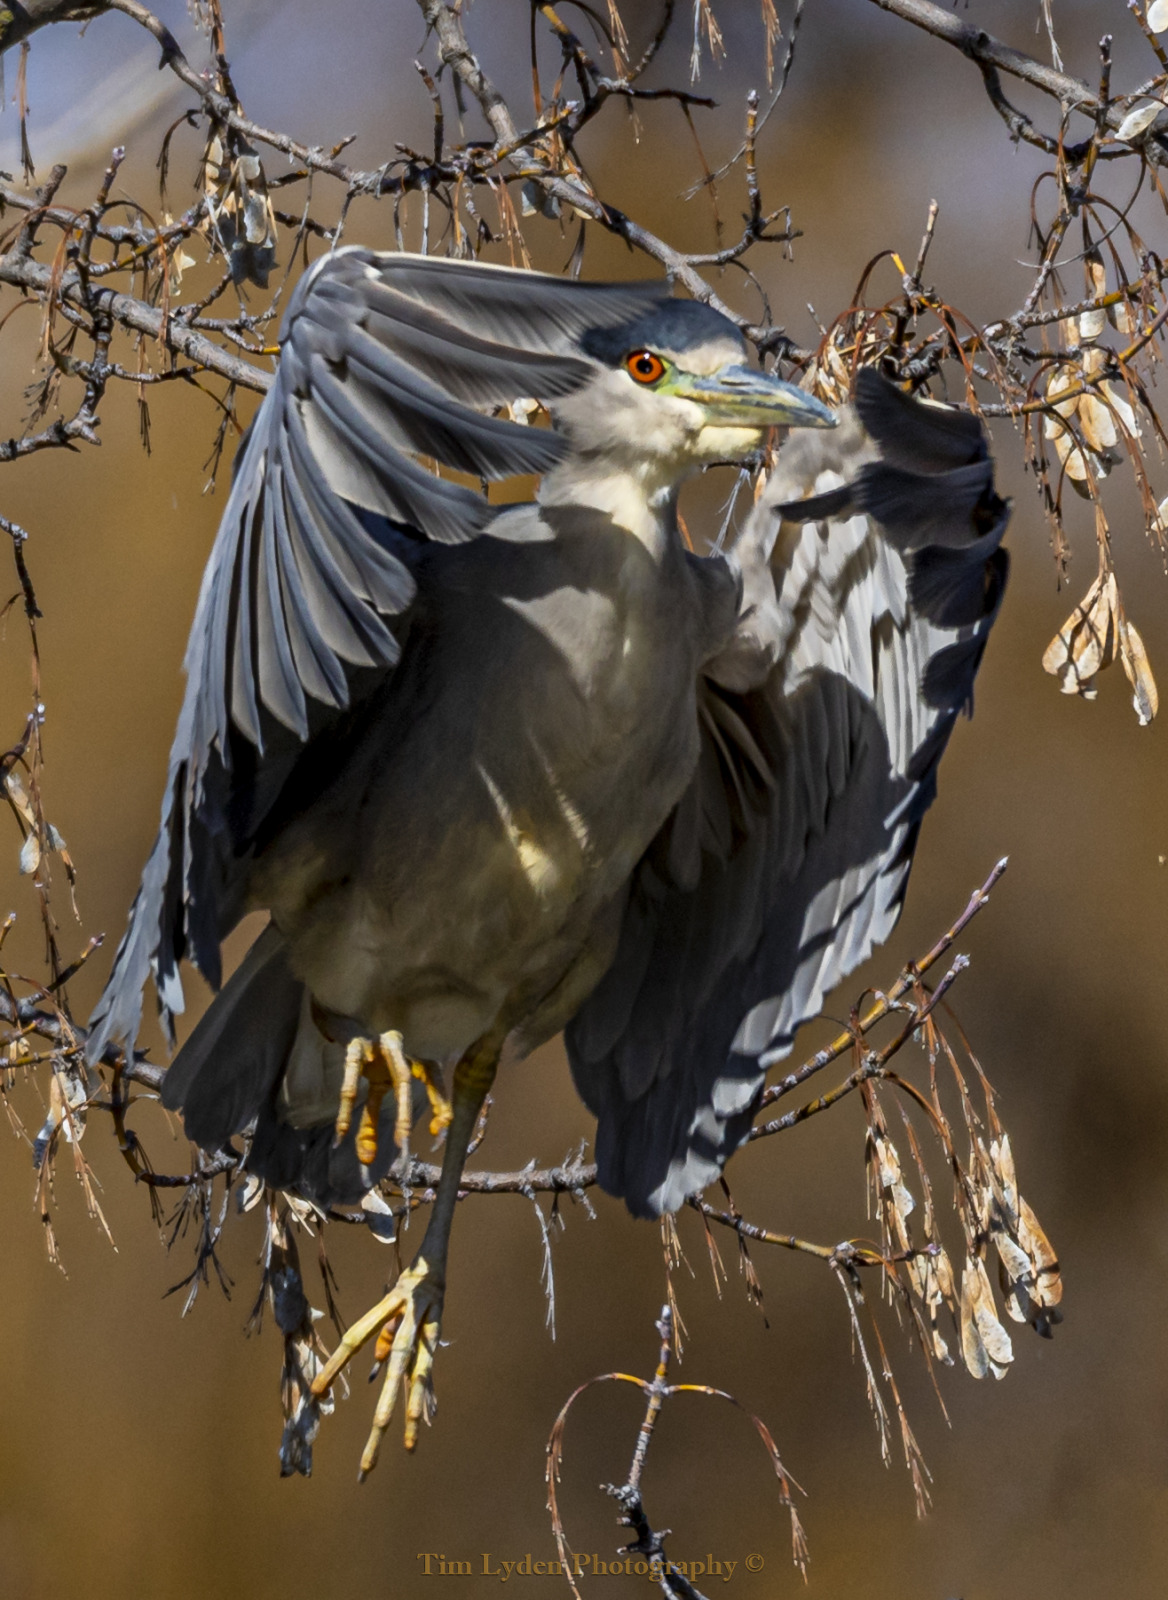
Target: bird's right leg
<point x="408" y="1320"/>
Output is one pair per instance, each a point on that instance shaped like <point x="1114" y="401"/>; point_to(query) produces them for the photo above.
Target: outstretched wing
<point x="384" y="358"/>
<point x="872" y="572"/>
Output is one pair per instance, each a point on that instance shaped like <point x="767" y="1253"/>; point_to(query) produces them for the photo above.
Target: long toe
<point x="408" y="1324"/>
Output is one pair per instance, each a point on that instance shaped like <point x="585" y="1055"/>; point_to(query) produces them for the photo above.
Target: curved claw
<point x="409" y="1320"/>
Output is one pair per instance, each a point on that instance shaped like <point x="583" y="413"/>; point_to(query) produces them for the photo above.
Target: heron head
<point x="673" y="391"/>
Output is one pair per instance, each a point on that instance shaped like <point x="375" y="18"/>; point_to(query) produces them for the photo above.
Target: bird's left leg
<point x="409" y="1318"/>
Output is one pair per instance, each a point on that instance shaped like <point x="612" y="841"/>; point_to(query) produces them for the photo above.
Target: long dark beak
<point x="741" y="397"/>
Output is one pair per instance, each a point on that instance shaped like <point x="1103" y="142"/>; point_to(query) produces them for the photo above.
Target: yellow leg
<point x="410" y="1316"/>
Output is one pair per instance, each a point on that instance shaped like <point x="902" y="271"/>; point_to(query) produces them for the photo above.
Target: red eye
<point x="644" y="366"/>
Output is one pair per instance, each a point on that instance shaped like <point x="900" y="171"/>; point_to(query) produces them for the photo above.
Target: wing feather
<point x="871" y="575"/>
<point x="384" y="358"/>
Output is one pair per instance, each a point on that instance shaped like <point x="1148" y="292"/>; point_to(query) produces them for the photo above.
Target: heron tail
<point x="258" y="1064"/>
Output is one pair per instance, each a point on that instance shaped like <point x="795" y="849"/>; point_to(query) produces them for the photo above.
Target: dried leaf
<point x="1091" y="325"/>
<point x="30" y="854"/>
<point x="1157" y="16"/>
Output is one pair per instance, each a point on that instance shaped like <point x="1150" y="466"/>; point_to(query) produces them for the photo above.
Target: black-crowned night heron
<point x="498" y="771"/>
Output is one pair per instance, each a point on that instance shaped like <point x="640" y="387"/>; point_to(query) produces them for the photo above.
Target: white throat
<point x="644" y="508"/>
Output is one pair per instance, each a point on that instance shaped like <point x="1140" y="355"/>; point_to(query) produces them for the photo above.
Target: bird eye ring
<point x="644" y="367"/>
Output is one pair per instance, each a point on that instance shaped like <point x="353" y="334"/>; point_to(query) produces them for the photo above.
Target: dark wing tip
<point x="913" y="433"/>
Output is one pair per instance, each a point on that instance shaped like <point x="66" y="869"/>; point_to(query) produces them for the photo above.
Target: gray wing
<point x="384" y="358"/>
<point x="872" y="573"/>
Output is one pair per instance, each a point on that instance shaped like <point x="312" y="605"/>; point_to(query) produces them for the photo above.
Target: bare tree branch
<point x="988" y="52"/>
<point x="136" y="314"/>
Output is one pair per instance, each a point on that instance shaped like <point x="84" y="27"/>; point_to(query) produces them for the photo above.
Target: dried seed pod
<point x="1090" y="639"/>
<point x="1096" y="273"/>
<point x="303" y="1352"/>
<point x="1048" y="1278"/>
<point x="1145" y="696"/>
<point x="18" y="796"/>
<point x="1061" y="380"/>
<point x="1029" y="1271"/>
<point x="1015" y="1261"/>
<point x="1094" y="363"/>
<point x="522" y="409"/>
<point x="1121" y="408"/>
<point x="1002" y="1163"/>
<point x="985" y="1344"/>
<point x="239" y="211"/>
<point x="891" y="1175"/>
<point x="895" y="1199"/>
<point x="1086" y="642"/>
<point x="1124" y="316"/>
<point x="1097" y="423"/>
<point x="931" y="1277"/>
<point x="1090" y="416"/>
<point x="1092" y="323"/>
<point x="832" y="379"/>
<point x="1138" y="121"/>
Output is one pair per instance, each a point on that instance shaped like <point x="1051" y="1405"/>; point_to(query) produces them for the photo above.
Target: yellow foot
<point x="441" y="1111"/>
<point x="409" y="1318"/>
<point x="385" y="1066"/>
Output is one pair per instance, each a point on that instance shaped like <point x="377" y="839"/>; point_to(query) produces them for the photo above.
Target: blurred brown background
<point x="138" y="1450"/>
